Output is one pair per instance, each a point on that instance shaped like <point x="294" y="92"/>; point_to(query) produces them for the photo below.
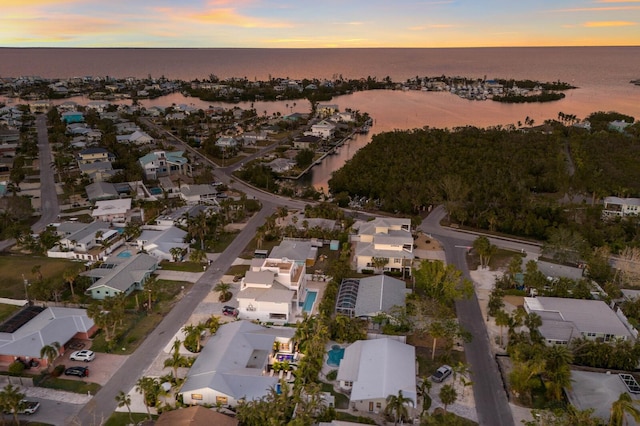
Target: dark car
<point x="441" y="374"/>
<point x="229" y="311"/>
<point x="77" y="371"/>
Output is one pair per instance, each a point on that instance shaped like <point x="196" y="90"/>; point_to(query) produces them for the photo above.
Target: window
<point x="348" y="384"/>
<point x="371" y="406"/>
<point x="222" y="400"/>
<point x="378" y="405"/>
<point x="397" y="260"/>
<point x="196" y="396"/>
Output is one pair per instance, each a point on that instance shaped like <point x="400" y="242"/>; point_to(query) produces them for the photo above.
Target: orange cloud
<point x="600" y="24"/>
<point x="221" y="16"/>
<point x="617" y="1"/>
<point x="598" y="9"/>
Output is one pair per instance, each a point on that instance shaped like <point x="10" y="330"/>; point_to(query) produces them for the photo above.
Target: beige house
<point x="383" y="238"/>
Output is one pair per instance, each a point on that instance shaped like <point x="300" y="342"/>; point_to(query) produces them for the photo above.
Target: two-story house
<point x="273" y="290"/>
<point x="95" y="155"/>
<point x="620" y="207"/>
<point x="387" y="239"/>
<point x="161" y="163"/>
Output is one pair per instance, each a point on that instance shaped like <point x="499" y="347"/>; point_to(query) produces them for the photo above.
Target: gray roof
<point x="84" y="233"/>
<point x="97" y="166"/>
<point x="51" y="325"/>
<point x="233" y="360"/>
<point x="379" y="368"/>
<point x="123" y="273"/>
<point x="299" y="251"/>
<point x="101" y="190"/>
<point x="379" y="293"/>
<point x="559" y="271"/>
<point x="587" y="316"/>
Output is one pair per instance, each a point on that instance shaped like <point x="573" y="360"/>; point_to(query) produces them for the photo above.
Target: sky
<point x="318" y="24"/>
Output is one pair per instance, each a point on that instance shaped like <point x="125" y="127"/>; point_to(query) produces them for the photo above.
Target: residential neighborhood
<point x="184" y="248"/>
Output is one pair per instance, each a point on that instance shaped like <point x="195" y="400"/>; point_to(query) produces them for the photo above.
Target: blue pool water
<point x="309" y="301"/>
<point x="335" y="356"/>
<point x="155" y="191"/>
<point x="284" y="357"/>
<point x="125" y="253"/>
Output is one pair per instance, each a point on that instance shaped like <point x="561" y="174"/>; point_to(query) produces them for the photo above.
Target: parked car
<point x="77" y="371"/>
<point x="441" y="374"/>
<point x="83" y="355"/>
<point x="229" y="311"/>
<point x="26" y="407"/>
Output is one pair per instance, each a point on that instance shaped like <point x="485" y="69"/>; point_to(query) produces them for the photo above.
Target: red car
<point x="229" y="311"/>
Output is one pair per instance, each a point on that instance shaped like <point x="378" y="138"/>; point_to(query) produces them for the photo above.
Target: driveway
<point x="101" y="369"/>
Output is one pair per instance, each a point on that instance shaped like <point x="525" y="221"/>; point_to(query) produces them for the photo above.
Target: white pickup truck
<point x="26" y="407"/>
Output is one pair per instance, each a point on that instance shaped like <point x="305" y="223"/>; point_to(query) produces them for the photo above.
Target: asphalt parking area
<point x="101" y="369"/>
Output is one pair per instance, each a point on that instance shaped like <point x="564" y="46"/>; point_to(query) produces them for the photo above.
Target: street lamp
<point x="26" y="284"/>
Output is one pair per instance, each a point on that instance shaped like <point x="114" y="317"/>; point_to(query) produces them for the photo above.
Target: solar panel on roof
<point x="630" y="382"/>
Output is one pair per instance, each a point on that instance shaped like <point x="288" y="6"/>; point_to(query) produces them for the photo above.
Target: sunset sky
<point x="313" y="24"/>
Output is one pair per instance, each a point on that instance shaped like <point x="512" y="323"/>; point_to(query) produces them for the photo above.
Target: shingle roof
<point x="127" y="272"/>
<point x="51" y="325"/>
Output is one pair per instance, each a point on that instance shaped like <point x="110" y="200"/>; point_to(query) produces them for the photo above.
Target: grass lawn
<point x="122" y="419"/>
<point x="14" y="269"/>
<point x="7" y="310"/>
<point x="449" y="419"/>
<point x="138" y="323"/>
<point x="237" y="270"/>
<point x="75" y="386"/>
<point x="223" y="241"/>
<point x="182" y="266"/>
<point x="346" y="417"/>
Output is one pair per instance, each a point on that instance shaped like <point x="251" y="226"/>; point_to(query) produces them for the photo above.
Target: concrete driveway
<point x="101" y="369"/>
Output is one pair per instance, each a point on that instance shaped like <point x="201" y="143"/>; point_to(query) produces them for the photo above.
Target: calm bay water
<point x="602" y="75"/>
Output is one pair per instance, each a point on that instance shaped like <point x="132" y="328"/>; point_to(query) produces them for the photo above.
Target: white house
<point x="198" y="194"/>
<point x="226" y="142"/>
<point x="158" y="243"/>
<point x="374" y="369"/>
<point x="566" y="319"/>
<point x="138" y="137"/>
<point x="620" y="207"/>
<point x="383" y="238"/>
<point x="234" y="364"/>
<point x="112" y="210"/>
<point x="323" y="129"/>
<point x="85" y="241"/>
<point x="162" y="163"/>
<point x="272" y="290"/>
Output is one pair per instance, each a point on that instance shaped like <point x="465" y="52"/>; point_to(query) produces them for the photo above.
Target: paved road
<point x="492" y="405"/>
<point x="103" y="404"/>
<point x="49" y="199"/>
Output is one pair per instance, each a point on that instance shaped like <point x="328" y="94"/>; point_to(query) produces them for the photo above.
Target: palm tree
<point x="35" y="270"/>
<point x="50" y="353"/>
<point x="197" y="255"/>
<point x="69" y="275"/>
<point x="124" y="400"/>
<point x="223" y="288"/>
<point x="177" y="359"/>
<point x="148" y="387"/>
<point x="176" y="253"/>
<point x="423" y="389"/>
<point x="11" y="399"/>
<point x="192" y="336"/>
<point x="621" y="407"/>
<point x="502" y="320"/>
<point x="397" y="406"/>
<point x="448" y="396"/>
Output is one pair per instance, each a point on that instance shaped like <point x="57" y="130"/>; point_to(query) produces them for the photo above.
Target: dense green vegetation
<point x="501" y="179"/>
<point x="545" y="96"/>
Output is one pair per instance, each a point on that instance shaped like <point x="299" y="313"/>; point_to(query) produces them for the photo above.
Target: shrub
<point x="367" y="271"/>
<point x="16" y="368"/>
<point x="332" y="375"/>
<point x="58" y="370"/>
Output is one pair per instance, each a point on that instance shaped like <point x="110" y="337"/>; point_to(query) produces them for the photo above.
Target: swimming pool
<point x="335" y="356"/>
<point x="285" y="357"/>
<point x="309" y="301"/>
<point x="126" y="253"/>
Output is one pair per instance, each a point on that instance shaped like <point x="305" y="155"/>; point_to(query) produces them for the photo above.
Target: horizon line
<point x="312" y="48"/>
